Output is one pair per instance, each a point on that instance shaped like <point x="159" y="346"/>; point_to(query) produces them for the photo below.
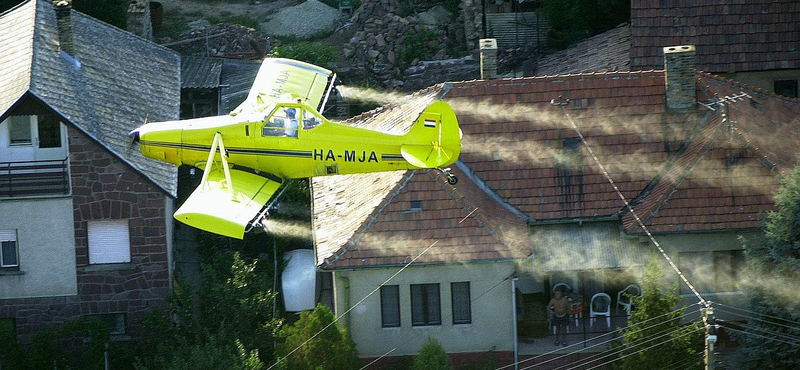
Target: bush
<point x="314" y="342"/>
<point x="432" y="357"/>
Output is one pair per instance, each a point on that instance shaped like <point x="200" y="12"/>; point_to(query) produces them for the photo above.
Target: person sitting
<point x="290" y="128"/>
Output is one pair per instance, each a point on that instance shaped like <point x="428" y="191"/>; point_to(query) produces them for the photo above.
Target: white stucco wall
<point x="700" y="271"/>
<point x="46" y="243"/>
<point x="490" y="292"/>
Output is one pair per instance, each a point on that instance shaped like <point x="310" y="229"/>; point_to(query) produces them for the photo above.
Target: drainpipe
<point x="514" y="324"/>
<point x="346" y="282"/>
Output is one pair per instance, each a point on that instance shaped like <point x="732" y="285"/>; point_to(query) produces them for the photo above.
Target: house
<point x="85" y="219"/>
<point x="559" y="177"/>
<point x="753" y="43"/>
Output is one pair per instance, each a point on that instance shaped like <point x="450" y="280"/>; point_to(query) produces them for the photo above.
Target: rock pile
<point x="222" y="40"/>
<point x="379" y="52"/>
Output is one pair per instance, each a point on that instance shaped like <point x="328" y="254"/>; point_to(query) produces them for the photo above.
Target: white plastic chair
<point x="566" y="289"/>
<point x="625" y="301"/>
<point x="600" y="305"/>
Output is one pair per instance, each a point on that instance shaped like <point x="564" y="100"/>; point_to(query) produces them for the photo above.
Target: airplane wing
<point x="224" y="207"/>
<point x="278" y="76"/>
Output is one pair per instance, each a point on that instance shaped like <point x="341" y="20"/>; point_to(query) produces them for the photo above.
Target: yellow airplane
<point x="278" y="134"/>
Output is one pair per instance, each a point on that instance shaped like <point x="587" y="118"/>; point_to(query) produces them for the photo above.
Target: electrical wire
<point x="753" y="315"/>
<point x="354" y="306"/>
<point x="629" y="347"/>
<point x="642" y="350"/>
<point x="794" y="344"/>
<point x="657" y="320"/>
<point x="425" y="330"/>
<point x="630" y="208"/>
<point x="767" y="331"/>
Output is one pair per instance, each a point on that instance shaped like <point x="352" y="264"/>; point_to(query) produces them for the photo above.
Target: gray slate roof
<point x="123" y="80"/>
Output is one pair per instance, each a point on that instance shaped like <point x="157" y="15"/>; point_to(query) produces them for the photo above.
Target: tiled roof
<point x="123" y="80"/>
<point x="713" y="169"/>
<point x="606" y="52"/>
<point x="730" y="35"/>
<point x="368" y="220"/>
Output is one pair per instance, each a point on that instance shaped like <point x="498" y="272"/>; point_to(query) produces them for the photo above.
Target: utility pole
<point x="711" y="336"/>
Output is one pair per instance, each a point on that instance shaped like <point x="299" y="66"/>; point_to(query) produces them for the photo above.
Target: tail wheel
<point x="452" y="180"/>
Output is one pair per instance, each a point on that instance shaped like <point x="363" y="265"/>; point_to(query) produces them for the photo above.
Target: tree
<point x="574" y="20"/>
<point x="432" y="357"/>
<point x="655" y="336"/>
<point x="314" y="342"/>
<point x="770" y="337"/>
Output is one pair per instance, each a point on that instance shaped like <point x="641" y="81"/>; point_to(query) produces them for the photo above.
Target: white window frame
<point x="21" y="119"/>
<point x="9" y="236"/>
<point x="108" y="241"/>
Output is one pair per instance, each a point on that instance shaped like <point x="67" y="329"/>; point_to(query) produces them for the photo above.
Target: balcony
<point x="34" y="178"/>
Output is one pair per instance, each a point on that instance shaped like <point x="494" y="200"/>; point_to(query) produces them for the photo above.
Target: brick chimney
<point x="488" y="58"/>
<point x="66" y="39"/>
<point x="679" y="65"/>
<point x="139" y="19"/>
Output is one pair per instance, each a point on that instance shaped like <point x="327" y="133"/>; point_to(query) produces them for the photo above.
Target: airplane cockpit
<point x="285" y="120"/>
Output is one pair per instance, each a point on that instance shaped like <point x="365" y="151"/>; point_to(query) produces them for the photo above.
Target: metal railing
<point x="34" y="178"/>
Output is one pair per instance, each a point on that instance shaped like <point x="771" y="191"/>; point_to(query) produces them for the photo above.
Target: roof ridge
<point x="742" y="85"/>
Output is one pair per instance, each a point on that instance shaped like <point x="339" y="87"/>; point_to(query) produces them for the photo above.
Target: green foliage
<point x="432" y="356"/>
<point x="314" y="342"/>
<point x="419" y="44"/>
<point x="233" y="314"/>
<point x="311" y="52"/>
<point x="10" y="350"/>
<point x="62" y="346"/>
<point x="109" y="11"/>
<point x="573" y="20"/>
<point x="656" y="323"/>
<point x="773" y="270"/>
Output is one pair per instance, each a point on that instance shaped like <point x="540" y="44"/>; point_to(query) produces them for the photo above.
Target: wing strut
<point x="222" y="152"/>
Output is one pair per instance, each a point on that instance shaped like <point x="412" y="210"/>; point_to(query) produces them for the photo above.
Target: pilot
<point x="290" y="128"/>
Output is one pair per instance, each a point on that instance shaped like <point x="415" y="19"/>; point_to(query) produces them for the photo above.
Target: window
<point x="462" y="312"/>
<point x="109" y="241"/>
<point x="787" y="88"/>
<point x="19" y="130"/>
<point x="9" y="258"/>
<point x="390" y="306"/>
<point x="425" y="305"/>
<point x="49" y="129"/>
<point x="115" y="322"/>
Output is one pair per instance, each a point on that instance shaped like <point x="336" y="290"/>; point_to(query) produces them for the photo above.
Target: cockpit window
<point x="310" y="120"/>
<point x="282" y="122"/>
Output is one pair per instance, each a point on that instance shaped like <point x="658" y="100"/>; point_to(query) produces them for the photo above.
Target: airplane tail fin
<point x="435" y="139"/>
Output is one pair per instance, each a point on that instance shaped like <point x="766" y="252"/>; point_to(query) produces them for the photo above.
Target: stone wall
<point x="106" y="188"/>
<point x="376" y="51"/>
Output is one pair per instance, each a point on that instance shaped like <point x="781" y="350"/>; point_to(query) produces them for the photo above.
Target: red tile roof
<point x="710" y="170"/>
<point x="730" y="35"/>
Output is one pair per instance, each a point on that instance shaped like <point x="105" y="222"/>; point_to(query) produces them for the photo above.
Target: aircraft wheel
<point x="452" y="180"/>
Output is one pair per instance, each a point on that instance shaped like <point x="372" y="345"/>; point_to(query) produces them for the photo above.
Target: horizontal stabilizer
<point x="427" y="156"/>
<point x="215" y="208"/>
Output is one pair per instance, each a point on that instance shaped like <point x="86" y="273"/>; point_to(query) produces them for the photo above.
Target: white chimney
<point x="488" y="58"/>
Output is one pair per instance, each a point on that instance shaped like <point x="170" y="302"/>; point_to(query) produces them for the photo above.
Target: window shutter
<point x="109" y="242"/>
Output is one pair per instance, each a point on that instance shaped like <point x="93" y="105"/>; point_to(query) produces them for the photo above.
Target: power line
<point x="794" y="344"/>
<point x="353" y="307"/>
<point x="755" y="314"/>
<point x="642" y="350"/>
<point x="657" y="319"/>
<point x="628" y="205"/>
<point x="426" y="329"/>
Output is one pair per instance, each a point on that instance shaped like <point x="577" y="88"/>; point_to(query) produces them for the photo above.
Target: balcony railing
<point x="33" y="178"/>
